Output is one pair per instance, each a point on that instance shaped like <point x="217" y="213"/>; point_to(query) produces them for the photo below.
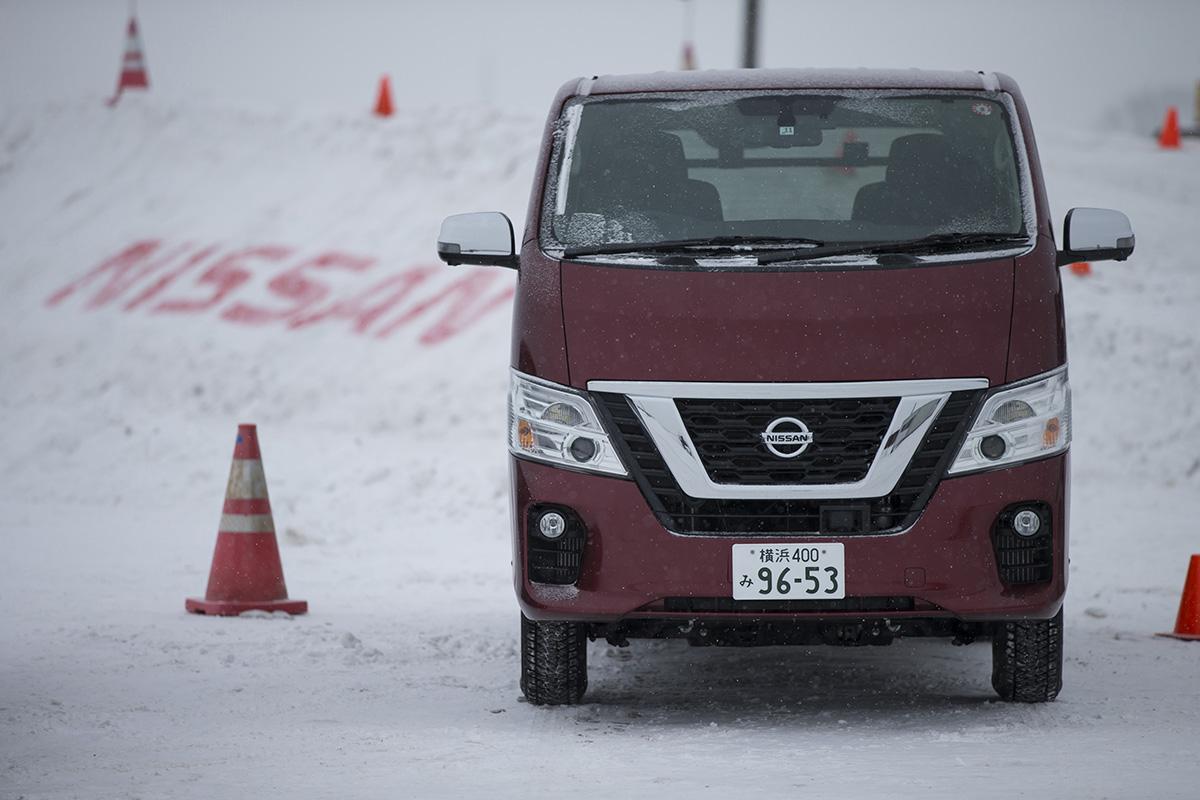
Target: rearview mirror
<point x="1095" y="234"/>
<point x="484" y="238"/>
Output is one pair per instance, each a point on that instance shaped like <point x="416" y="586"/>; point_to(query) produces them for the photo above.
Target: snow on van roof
<point x="726" y="79"/>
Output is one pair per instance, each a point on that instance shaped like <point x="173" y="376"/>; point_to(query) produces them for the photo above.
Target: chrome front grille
<point x="847" y="433"/>
<point x="823" y="508"/>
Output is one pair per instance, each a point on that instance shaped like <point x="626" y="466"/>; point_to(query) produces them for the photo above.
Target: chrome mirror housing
<point x="1096" y="234"/>
<point x="484" y="238"/>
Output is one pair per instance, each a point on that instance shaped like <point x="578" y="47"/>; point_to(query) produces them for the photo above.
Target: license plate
<point x="789" y="571"/>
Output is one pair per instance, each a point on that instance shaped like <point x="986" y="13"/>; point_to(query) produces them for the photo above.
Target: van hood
<point x="935" y="321"/>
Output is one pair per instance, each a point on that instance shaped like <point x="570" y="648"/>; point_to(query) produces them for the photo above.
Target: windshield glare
<point x="838" y="168"/>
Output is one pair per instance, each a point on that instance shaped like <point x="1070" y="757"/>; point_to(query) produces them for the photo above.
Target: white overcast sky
<point x="1075" y="59"/>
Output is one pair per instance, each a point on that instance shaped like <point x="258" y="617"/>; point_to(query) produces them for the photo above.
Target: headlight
<point x="558" y="425"/>
<point x="1017" y="423"/>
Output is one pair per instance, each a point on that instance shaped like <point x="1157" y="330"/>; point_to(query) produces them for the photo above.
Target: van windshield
<point x="827" y="171"/>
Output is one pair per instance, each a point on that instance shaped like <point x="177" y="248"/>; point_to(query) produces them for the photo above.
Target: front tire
<point x="1027" y="659"/>
<point x="553" y="662"/>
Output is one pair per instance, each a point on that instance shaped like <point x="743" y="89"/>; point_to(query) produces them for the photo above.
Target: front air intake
<point x="1024" y="559"/>
<point x="555" y="560"/>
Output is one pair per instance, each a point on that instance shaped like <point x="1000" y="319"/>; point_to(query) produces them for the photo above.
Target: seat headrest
<point x="640" y="157"/>
<point x="664" y="156"/>
<point x="917" y="155"/>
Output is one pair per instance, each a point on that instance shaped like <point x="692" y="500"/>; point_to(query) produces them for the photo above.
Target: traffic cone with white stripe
<point x="133" y="64"/>
<point x="247" y="574"/>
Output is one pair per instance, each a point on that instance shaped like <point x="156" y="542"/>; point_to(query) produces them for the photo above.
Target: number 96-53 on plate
<point x="789" y="571"/>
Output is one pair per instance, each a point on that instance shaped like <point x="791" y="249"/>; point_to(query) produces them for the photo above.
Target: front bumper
<point x="945" y="562"/>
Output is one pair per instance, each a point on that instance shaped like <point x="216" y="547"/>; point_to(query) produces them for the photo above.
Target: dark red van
<point x="789" y="367"/>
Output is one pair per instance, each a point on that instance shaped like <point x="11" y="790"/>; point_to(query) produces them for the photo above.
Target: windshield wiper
<point x="709" y="242"/>
<point x="937" y="241"/>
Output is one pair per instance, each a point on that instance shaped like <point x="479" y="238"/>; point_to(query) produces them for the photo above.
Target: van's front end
<point x="789" y="367"/>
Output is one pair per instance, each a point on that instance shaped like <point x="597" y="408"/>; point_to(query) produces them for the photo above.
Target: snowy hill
<point x="197" y="264"/>
<point x="167" y="271"/>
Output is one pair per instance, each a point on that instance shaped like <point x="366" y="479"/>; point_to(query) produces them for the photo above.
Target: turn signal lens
<point x="524" y="434"/>
<point x="1050" y="433"/>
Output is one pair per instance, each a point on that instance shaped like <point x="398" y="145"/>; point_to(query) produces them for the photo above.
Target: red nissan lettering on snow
<point x="789" y="367"/>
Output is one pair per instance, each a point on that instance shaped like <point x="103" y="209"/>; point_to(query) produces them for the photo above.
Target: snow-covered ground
<point x="384" y="447"/>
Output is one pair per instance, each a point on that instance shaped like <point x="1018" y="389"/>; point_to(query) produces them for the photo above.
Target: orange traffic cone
<point x="1187" y="624"/>
<point x="247" y="574"/>
<point x="1168" y="137"/>
<point x="383" y="106"/>
<point x="1081" y="268"/>
<point x="133" y="64"/>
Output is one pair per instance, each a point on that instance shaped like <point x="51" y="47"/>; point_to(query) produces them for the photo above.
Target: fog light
<point x="1026" y="523"/>
<point x="583" y="449"/>
<point x="552" y="525"/>
<point x="992" y="447"/>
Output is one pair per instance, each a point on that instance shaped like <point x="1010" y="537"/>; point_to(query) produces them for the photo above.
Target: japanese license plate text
<point x="789" y="571"/>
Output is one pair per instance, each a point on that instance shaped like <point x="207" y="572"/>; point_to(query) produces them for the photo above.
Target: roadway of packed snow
<point x="383" y="440"/>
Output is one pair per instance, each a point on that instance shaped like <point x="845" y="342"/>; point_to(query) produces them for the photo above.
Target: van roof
<point x="737" y="79"/>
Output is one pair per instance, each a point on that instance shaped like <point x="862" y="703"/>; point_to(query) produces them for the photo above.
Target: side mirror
<point x="1095" y="234"/>
<point x="485" y="238"/>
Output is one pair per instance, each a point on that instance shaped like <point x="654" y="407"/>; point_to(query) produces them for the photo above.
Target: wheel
<point x="553" y="662"/>
<point x="1027" y="658"/>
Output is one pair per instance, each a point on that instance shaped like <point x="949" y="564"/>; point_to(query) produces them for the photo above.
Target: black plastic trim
<point x="554" y="561"/>
<point x="1024" y="560"/>
<point x="727" y="605"/>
